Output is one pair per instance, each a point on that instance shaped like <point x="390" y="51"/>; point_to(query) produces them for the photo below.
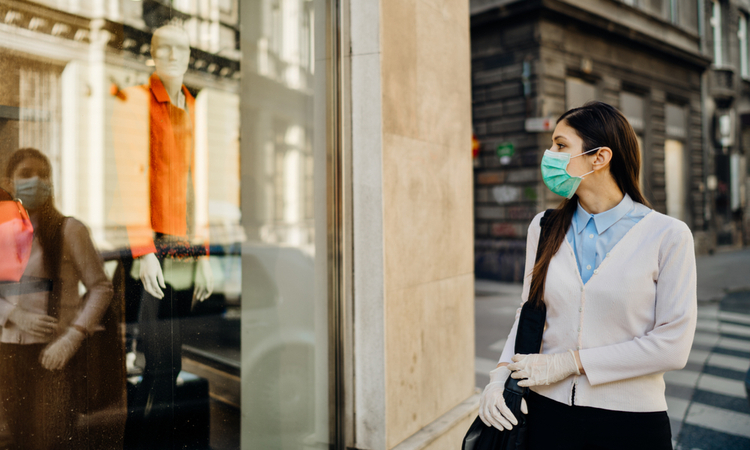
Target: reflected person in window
<point x="40" y="378"/>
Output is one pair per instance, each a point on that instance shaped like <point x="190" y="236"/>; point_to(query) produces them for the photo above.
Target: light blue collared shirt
<point x="593" y="236"/>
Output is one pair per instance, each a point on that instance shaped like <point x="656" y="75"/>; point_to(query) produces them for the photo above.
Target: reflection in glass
<point x="212" y="255"/>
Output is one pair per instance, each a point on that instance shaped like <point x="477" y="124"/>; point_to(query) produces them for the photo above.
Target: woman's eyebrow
<point x="558" y="137"/>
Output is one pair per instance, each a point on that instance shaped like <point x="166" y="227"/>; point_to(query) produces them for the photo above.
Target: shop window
<point x="171" y="161"/>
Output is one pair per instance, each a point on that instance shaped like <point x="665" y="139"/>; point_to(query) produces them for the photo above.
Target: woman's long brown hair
<point x="48" y="229"/>
<point x="598" y="125"/>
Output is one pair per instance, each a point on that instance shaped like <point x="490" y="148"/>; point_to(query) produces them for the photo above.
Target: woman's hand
<point x="152" y="276"/>
<point x="492" y="408"/>
<point x="38" y="325"/>
<point x="58" y="353"/>
<point x="540" y="369"/>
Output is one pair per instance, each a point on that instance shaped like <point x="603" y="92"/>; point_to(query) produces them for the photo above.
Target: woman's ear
<point x="602" y="158"/>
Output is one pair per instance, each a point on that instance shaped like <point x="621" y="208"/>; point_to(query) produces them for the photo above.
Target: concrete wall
<point x="413" y="220"/>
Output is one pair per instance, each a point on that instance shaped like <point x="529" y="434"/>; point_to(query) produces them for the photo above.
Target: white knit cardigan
<point x="632" y="321"/>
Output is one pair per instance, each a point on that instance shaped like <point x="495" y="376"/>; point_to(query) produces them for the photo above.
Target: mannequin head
<point x="170" y="50"/>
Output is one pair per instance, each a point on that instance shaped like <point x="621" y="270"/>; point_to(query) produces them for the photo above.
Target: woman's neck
<point x="34" y="218"/>
<point x="601" y="195"/>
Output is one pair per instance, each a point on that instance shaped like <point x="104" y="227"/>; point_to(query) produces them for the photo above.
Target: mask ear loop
<point x="581" y="154"/>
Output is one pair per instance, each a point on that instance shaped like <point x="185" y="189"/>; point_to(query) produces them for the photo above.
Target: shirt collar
<point x="160" y="92"/>
<point x="604" y="220"/>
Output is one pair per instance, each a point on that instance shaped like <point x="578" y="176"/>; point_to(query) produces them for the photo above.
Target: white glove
<point x="58" y="353"/>
<point x="492" y="408"/>
<point x="542" y="369"/>
<point x="204" y="280"/>
<point x="152" y="276"/>
<point x="38" y="325"/>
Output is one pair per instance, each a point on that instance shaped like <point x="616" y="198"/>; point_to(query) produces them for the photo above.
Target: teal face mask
<point x="32" y="192"/>
<point x="555" y="173"/>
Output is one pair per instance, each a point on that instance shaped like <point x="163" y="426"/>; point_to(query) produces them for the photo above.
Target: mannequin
<point x="154" y="150"/>
<point x="170" y="49"/>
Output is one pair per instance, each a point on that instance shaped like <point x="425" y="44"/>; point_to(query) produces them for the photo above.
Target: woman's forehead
<point x="35" y="164"/>
<point x="564" y="131"/>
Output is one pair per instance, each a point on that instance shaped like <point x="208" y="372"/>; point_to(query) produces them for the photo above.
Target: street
<point x="708" y="407"/>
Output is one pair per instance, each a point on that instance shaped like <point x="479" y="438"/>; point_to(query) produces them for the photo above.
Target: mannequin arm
<point x="152" y="276"/>
<point x="204" y="279"/>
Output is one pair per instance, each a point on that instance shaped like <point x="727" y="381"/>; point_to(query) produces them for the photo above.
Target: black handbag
<point x="528" y="340"/>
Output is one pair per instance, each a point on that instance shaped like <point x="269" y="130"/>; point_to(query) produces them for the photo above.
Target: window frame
<point x="716" y="31"/>
<point x="743" y="47"/>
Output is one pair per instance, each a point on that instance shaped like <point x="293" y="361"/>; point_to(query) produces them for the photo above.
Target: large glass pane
<point x="171" y="157"/>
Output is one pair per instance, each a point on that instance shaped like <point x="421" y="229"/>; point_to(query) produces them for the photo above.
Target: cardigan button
<point x="596" y="271"/>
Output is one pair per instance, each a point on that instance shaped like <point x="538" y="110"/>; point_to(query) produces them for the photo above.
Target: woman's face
<point x="30" y="168"/>
<point x="566" y="140"/>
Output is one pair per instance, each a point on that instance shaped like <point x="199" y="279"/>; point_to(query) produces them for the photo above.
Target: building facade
<point x="533" y="60"/>
<point x="727" y="110"/>
<point x="327" y="167"/>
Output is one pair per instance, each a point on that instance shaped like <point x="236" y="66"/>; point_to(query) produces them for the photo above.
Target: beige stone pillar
<point x="412" y="198"/>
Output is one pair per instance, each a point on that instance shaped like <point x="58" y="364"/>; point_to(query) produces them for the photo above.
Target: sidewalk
<point x="708" y="407"/>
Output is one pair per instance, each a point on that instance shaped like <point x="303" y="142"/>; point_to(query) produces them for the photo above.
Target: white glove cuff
<point x="499" y="374"/>
<point x="575" y="363"/>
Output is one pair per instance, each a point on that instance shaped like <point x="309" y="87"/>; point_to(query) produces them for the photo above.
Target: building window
<point x="674" y="162"/>
<point x="578" y="92"/>
<point x="742" y="38"/>
<point x="632" y="107"/>
<point x="716" y="29"/>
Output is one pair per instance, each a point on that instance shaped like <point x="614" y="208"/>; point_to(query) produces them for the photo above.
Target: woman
<point x="619" y="283"/>
<point x="43" y="329"/>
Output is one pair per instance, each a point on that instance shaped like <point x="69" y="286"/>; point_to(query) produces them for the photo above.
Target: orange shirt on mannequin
<point x="170" y="162"/>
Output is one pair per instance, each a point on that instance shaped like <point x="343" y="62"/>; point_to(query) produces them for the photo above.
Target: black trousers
<point x="554" y="425"/>
<point x="37" y="403"/>
<point x="160" y="340"/>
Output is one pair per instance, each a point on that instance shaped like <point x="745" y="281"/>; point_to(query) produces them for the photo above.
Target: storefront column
<point x="413" y="294"/>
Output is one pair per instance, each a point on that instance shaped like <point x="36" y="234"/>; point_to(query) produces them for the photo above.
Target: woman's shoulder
<point x="668" y="232"/>
<point x="75" y="230"/>
<point x="666" y="223"/>
<point x="74" y="225"/>
<point x="536" y="221"/>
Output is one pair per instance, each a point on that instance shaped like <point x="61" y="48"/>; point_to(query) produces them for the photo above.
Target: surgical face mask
<point x="33" y="192"/>
<point x="555" y="172"/>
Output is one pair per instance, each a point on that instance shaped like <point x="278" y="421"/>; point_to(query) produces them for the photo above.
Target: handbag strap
<point x="531" y="323"/>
